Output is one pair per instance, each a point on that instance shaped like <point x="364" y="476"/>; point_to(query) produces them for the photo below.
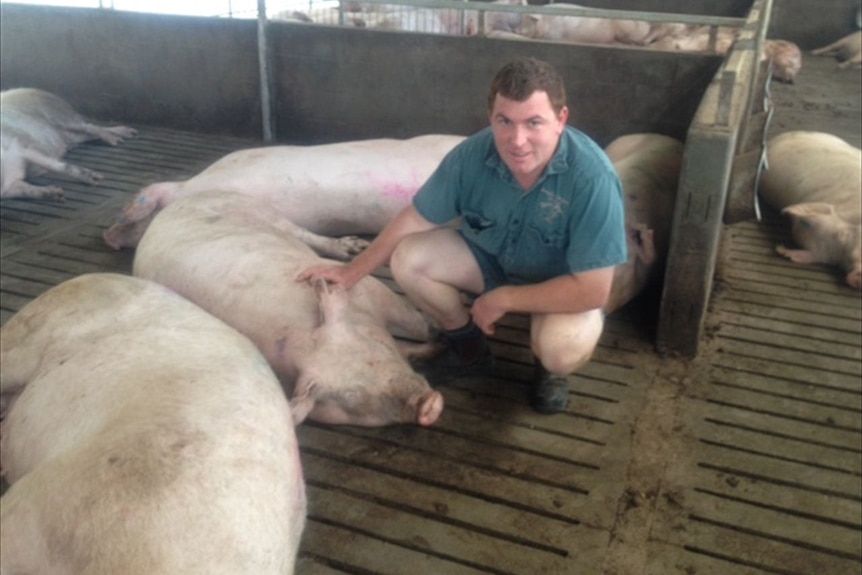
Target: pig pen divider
<point x="712" y="145"/>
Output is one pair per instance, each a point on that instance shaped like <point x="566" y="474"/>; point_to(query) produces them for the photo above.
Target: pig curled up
<point x="37" y="128"/>
<point x="144" y="437"/>
<point x="815" y="179"/>
<point x="234" y="256"/>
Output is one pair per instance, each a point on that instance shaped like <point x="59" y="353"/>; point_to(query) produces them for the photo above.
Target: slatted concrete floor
<point x="746" y="460"/>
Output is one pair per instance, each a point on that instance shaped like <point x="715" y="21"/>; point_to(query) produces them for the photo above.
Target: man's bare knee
<point x="565" y="360"/>
<point x="564" y="347"/>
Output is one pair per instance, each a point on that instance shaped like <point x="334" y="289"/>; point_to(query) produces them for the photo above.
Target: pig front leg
<point x="113" y="135"/>
<point x="421" y="351"/>
<point x="342" y="248"/>
<point x="79" y="132"/>
<point x="399" y="316"/>
<point x="22" y="189"/>
<point x="60" y="167"/>
<point x="796" y="256"/>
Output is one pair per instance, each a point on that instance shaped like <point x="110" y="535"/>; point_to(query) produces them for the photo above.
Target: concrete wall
<point x="182" y="72"/>
<point x="812" y="23"/>
<point x="331" y="83"/>
<point x="369" y="84"/>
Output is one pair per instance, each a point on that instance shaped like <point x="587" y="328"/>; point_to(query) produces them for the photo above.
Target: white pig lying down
<point x="786" y="59"/>
<point x="815" y="179"/>
<point x="237" y="258"/>
<point x="583" y="29"/>
<point x="331" y="189"/>
<point x="648" y="166"/>
<point x="847" y="50"/>
<point x="37" y="128"/>
<point x="144" y="437"/>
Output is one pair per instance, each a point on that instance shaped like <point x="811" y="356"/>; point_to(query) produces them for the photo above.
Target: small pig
<point x="848" y="50"/>
<point x="659" y="30"/>
<point x="585" y="29"/>
<point x="142" y="435"/>
<point x="332" y="189"/>
<point x="816" y="180"/>
<point x="696" y="39"/>
<point x="237" y="258"/>
<point x="786" y="59"/>
<point x="497" y="24"/>
<point x="648" y="166"/>
<point x="38" y="128"/>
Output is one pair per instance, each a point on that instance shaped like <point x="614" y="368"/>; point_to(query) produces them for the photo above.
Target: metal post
<point x="265" y="67"/>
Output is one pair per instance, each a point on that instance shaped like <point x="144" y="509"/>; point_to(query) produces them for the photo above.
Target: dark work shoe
<point x="550" y="393"/>
<point x="448" y="367"/>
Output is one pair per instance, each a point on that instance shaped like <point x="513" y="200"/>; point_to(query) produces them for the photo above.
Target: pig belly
<point x="146" y="437"/>
<point x="805" y="167"/>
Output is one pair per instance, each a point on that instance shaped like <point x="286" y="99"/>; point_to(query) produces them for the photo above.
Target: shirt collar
<point x="559" y="162"/>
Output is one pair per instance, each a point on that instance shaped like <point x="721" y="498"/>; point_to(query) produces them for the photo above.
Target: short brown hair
<point x="518" y="79"/>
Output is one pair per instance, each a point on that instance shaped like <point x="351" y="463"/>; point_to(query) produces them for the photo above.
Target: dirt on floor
<point x="822" y="98"/>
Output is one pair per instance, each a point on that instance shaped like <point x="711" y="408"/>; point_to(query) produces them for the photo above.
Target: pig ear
<point x="302" y="401"/>
<point x="150" y="199"/>
<point x="333" y="301"/>
<point x="809" y="209"/>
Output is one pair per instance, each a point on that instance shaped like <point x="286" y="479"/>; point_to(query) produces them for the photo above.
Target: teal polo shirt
<point x="571" y="220"/>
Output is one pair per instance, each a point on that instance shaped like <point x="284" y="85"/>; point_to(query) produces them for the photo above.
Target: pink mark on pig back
<point x="399" y="192"/>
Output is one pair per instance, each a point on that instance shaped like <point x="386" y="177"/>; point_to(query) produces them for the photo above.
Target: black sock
<point x="468" y="342"/>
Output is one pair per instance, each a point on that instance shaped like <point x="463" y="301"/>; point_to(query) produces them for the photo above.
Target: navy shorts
<point x="492" y="274"/>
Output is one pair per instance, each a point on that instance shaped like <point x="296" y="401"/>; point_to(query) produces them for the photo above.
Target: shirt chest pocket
<point x="540" y="254"/>
<point x="483" y="231"/>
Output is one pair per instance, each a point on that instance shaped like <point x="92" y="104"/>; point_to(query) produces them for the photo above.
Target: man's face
<point x="526" y="134"/>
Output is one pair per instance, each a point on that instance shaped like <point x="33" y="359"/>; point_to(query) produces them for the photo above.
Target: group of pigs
<point x="785" y="56"/>
<point x="154" y="413"/>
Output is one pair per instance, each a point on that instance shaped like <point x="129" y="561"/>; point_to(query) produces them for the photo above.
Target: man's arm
<point x="574" y="293"/>
<point x="407" y="221"/>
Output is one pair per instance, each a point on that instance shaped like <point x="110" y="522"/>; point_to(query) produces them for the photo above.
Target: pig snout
<point x="409" y="400"/>
<point x="429" y="409"/>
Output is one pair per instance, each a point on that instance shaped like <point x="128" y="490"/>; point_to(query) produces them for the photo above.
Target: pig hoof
<point x="52" y="193"/>
<point x="352" y="245"/>
<point x="90" y="176"/>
